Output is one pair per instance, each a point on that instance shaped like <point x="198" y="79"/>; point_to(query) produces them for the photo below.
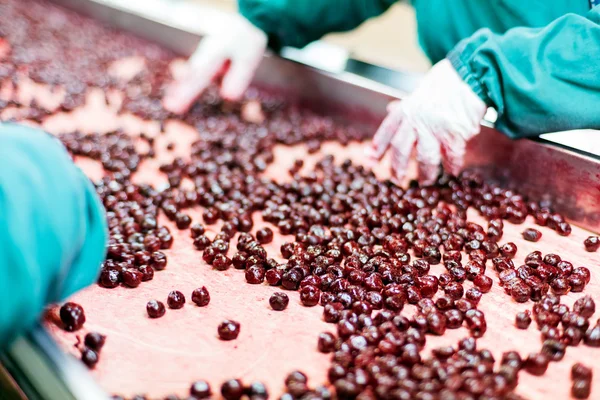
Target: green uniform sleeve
<point x="539" y="79"/>
<point x="52" y="227"/>
<point x="298" y="22"/>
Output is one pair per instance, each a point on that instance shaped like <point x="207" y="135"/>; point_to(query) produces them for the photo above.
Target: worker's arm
<point x="236" y="47"/>
<point x="52" y="227"/>
<point x="539" y="79"/>
<point x="298" y="22"/>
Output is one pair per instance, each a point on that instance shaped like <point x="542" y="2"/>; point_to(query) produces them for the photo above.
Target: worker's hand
<point x="439" y="117"/>
<point x="236" y="52"/>
<point x="52" y="227"/>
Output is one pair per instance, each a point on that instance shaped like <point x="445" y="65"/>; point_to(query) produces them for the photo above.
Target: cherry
<point x="155" y="309"/>
<point x="201" y="296"/>
<point x="72" y="316"/>
<point x="228" y="330"/>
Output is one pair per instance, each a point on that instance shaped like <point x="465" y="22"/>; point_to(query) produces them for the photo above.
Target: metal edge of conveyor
<point x="35" y="368"/>
<point x="9" y="388"/>
<point x="172" y="25"/>
<point x="568" y="179"/>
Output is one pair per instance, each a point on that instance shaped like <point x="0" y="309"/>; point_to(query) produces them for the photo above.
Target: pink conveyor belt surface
<point x="157" y="357"/>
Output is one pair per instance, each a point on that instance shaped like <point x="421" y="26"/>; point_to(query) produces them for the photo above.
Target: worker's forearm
<point x="539" y="79"/>
<point x="299" y="22"/>
<point x="52" y="227"/>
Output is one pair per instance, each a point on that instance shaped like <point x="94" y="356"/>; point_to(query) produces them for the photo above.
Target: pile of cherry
<point x="351" y="253"/>
<point x="362" y="248"/>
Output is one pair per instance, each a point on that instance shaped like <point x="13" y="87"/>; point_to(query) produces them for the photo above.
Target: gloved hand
<point x="237" y="51"/>
<point x="52" y="227"/>
<point x="440" y="116"/>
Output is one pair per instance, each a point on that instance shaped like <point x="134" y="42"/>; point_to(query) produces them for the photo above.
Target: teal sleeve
<point x="52" y="227"/>
<point x="298" y="22"/>
<point x="539" y="79"/>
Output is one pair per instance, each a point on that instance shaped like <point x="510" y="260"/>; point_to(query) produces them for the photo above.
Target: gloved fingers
<point x="386" y="131"/>
<point x="241" y="71"/>
<point x="428" y="155"/>
<point x="203" y="66"/>
<point x="402" y="145"/>
<point x="453" y="154"/>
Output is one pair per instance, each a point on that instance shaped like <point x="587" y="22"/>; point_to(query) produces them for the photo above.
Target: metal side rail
<point x="35" y="368"/>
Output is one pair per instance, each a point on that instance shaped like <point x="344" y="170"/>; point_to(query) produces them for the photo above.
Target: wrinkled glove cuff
<point x="456" y="59"/>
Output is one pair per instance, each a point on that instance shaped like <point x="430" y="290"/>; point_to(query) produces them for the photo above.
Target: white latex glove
<point x="240" y="43"/>
<point x="440" y="116"/>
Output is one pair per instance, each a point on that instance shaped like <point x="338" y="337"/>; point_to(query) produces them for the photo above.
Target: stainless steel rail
<point x="44" y="372"/>
<point x="341" y="93"/>
<point x="544" y="170"/>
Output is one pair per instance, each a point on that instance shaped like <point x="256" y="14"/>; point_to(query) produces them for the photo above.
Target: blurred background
<point x="389" y="40"/>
